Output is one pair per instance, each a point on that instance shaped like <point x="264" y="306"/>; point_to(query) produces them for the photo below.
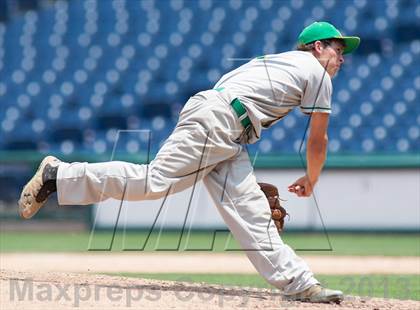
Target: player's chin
<point x="334" y="72"/>
<point x="331" y="74"/>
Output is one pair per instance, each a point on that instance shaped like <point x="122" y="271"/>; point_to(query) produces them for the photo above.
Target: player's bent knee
<point x="157" y="185"/>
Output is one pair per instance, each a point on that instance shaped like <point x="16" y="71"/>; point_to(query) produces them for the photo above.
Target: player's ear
<point x="318" y="47"/>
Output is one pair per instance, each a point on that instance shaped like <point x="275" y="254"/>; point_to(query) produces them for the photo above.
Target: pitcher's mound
<point x="40" y="290"/>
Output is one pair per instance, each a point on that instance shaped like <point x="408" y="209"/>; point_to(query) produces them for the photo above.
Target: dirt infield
<point x="141" y="262"/>
<point x="60" y="290"/>
<point x="71" y="281"/>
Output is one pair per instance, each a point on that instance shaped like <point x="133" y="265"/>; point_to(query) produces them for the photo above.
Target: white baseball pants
<point x="204" y="147"/>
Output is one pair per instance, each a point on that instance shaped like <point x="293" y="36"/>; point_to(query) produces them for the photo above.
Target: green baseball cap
<point x="323" y="30"/>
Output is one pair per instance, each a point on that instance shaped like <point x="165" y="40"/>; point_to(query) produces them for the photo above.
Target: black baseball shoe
<point x="35" y="193"/>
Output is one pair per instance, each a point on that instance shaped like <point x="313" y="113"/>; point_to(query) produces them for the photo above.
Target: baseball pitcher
<point x="208" y="144"/>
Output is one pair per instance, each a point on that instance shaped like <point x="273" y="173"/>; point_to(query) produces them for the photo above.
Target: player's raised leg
<point x="186" y="157"/>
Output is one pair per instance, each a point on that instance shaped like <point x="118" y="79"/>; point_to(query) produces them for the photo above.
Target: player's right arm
<point x="316" y="148"/>
<point x="316" y="153"/>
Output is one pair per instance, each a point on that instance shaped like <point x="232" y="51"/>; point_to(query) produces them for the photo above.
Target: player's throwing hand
<point x="302" y="187"/>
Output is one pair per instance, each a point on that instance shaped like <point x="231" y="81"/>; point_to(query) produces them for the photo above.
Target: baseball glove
<point x="278" y="213"/>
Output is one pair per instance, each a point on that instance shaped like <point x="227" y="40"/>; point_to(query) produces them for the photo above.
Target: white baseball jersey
<point x="271" y="86"/>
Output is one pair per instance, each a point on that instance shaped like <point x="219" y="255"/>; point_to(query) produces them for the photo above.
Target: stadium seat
<point x="73" y="71"/>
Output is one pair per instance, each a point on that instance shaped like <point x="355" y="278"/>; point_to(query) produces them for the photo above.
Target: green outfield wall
<point x="345" y="161"/>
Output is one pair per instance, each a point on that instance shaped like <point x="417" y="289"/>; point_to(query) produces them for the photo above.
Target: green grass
<point x="383" y="286"/>
<point x="341" y="243"/>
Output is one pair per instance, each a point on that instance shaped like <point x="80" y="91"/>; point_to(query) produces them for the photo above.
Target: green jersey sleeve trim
<point x="316" y="108"/>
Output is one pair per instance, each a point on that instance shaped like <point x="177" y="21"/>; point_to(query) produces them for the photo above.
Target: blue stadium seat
<point x="88" y="68"/>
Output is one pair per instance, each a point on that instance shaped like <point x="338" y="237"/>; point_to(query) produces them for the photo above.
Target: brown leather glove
<point x="278" y="213"/>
